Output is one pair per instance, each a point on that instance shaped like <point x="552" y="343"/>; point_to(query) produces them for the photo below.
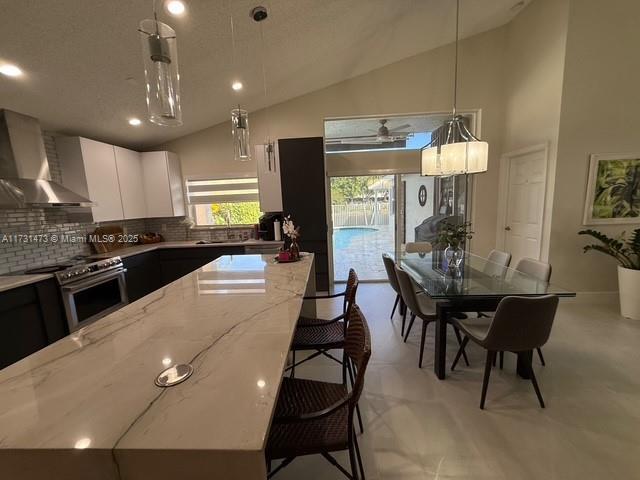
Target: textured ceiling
<point x="83" y="66"/>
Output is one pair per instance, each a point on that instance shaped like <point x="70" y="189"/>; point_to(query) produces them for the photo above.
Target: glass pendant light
<point x="160" y="54"/>
<point x="240" y="132"/>
<point x="460" y="152"/>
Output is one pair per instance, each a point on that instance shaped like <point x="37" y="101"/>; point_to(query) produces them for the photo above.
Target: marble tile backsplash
<point x="22" y="230"/>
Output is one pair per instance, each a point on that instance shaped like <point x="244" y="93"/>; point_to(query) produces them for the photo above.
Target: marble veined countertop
<point x="8" y="282"/>
<point x="87" y="406"/>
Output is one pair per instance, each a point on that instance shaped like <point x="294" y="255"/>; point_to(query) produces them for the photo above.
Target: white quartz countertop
<point x="94" y="391"/>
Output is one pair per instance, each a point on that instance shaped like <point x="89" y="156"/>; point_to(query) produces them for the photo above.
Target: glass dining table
<point x="477" y="286"/>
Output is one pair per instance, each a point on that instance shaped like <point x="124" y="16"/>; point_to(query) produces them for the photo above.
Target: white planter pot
<point x="629" y="285"/>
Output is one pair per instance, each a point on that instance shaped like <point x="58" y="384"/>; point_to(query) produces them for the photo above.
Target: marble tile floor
<point x="417" y="427"/>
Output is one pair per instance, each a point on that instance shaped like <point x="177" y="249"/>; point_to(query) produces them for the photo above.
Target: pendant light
<point x="160" y="54"/>
<point x="458" y="151"/>
<point x="239" y="117"/>
<point x="259" y="14"/>
<point x="240" y="133"/>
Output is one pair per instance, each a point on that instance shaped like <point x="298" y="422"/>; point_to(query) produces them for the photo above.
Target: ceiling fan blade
<point x="400" y="127"/>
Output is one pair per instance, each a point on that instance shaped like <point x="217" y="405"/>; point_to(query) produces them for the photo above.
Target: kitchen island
<point x="87" y="406"/>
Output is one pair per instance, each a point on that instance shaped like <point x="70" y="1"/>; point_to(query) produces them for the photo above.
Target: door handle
<point x="508" y="229"/>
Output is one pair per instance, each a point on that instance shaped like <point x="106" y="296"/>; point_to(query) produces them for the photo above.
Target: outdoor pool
<point x="345" y="236"/>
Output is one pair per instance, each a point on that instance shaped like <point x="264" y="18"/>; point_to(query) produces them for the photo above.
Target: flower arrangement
<point x="454" y="235"/>
<point x="289" y="229"/>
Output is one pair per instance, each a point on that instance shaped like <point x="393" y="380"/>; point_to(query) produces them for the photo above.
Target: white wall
<point x="536" y="44"/>
<point x="600" y="105"/>
<point x="418" y="84"/>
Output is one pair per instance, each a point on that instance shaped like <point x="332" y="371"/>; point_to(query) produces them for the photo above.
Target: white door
<point x="524" y="214"/>
<point x="129" y="166"/>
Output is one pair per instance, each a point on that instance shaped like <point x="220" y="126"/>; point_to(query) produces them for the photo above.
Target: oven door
<point x="93" y="298"/>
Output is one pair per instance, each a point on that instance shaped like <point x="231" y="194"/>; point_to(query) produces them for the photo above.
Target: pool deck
<point x="363" y="253"/>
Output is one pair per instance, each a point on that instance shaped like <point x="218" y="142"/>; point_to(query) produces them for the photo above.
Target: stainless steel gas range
<point x="92" y="290"/>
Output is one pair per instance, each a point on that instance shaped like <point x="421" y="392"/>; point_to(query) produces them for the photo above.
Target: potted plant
<point x="627" y="253"/>
<point x="452" y="237"/>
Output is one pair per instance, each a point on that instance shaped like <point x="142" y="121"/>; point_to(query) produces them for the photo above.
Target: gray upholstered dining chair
<point x="421" y="306"/>
<point x="497" y="263"/>
<point x="539" y="270"/>
<point x="520" y="324"/>
<point x="418" y="247"/>
<point x="390" y="267"/>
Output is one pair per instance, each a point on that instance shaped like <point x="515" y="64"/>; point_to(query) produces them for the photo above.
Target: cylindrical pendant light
<point x="160" y="53"/>
<point x="240" y="132"/>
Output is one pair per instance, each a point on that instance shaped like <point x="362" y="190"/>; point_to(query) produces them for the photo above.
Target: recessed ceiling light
<point x="10" y="70"/>
<point x="236" y="86"/>
<point x="175" y="7"/>
<point x="134" y="122"/>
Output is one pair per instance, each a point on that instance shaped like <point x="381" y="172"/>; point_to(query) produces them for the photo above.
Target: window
<point x="227" y="201"/>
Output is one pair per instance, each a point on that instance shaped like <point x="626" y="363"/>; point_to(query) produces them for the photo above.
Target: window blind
<point x="228" y="190"/>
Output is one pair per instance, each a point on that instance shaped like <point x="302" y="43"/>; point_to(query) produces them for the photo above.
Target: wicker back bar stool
<point x="314" y="417"/>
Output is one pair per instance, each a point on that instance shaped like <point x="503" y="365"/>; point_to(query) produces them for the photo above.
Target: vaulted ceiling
<point x="83" y="61"/>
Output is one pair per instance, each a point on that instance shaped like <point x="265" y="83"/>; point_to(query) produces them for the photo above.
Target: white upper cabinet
<point x="89" y="169"/>
<point x="163" y="184"/>
<point x="129" y="165"/>
<point x="269" y="186"/>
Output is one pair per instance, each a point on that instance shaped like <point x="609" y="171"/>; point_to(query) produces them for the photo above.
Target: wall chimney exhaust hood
<point x="25" y="180"/>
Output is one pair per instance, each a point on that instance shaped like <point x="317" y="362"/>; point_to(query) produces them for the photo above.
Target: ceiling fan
<point x="382" y="135"/>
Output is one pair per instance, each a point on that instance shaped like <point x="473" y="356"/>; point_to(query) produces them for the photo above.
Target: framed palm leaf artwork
<point x="613" y="191"/>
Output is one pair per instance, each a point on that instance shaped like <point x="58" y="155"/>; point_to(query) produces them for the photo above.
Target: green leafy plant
<point x="625" y="251"/>
<point x="454" y="234"/>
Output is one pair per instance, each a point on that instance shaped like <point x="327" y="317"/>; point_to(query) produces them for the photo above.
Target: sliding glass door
<point x="363" y="223"/>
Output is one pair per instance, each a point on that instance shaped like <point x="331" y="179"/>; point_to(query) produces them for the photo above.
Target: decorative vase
<point x="294" y="249"/>
<point x="454" y="257"/>
<point x="629" y="286"/>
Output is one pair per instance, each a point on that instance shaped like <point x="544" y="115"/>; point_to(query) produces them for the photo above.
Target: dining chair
<point x="541" y="271"/>
<point x="313" y="417"/>
<point x="520" y="324"/>
<point x="496" y="266"/>
<point x="497" y="263"/>
<point x="390" y="267"/>
<point x="418" y="247"/>
<point x="421" y="306"/>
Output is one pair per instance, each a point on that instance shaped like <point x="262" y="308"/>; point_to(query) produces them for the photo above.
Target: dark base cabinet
<point x="31" y="317"/>
<point x="143" y="274"/>
<point x="150" y="271"/>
